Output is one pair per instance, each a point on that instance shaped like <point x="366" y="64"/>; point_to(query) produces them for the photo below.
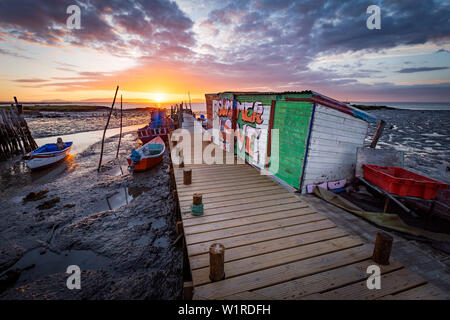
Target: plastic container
<point x="402" y="182"/>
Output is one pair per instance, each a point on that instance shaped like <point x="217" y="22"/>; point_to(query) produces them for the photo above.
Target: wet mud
<point x="119" y="228"/>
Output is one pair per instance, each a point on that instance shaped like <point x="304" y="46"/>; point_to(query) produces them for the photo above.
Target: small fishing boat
<point x="160" y="125"/>
<point x="46" y="155"/>
<point x="147" y="156"/>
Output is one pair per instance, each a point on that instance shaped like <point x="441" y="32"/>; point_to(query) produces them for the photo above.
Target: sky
<point x="159" y="50"/>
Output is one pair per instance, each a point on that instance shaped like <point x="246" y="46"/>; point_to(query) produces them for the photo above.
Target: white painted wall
<point x="332" y="147"/>
<point x="259" y="134"/>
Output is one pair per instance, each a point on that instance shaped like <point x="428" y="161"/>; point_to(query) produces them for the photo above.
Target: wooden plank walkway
<point x="277" y="246"/>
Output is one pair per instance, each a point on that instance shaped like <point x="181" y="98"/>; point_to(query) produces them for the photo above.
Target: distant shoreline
<point x="72" y="108"/>
<point x="373" y="107"/>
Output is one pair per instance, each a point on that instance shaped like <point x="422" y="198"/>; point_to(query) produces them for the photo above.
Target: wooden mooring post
<point x="104" y="131"/>
<point x="216" y="262"/>
<point x="382" y="249"/>
<point x="15" y="136"/>
<point x="120" y="134"/>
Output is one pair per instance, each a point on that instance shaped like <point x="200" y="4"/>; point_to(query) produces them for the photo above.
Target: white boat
<point x="46" y="155"/>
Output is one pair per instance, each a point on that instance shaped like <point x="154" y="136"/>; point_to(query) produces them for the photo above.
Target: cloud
<point x="14" y="54"/>
<point x="34" y="80"/>
<point x="421" y="69"/>
<point x="238" y="44"/>
<point x="149" y="27"/>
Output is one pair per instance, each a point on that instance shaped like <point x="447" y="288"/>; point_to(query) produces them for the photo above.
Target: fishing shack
<point x="302" y="138"/>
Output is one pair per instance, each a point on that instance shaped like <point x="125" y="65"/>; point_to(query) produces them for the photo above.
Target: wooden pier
<point x="276" y="245"/>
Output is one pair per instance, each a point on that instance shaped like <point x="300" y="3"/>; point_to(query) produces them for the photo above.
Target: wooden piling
<point x="104" y="131"/>
<point x="179" y="227"/>
<point x="120" y="134"/>
<point x="15" y="136"/>
<point x="378" y="133"/>
<point x="216" y="262"/>
<point x="197" y="199"/>
<point x="187" y="176"/>
<point x="382" y="249"/>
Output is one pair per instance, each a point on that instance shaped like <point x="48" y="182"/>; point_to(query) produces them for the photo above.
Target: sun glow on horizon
<point x="158" y="97"/>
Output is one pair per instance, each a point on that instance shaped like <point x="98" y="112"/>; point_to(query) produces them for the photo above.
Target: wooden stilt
<point x="216" y="262"/>
<point x="382" y="249"/>
<point x="120" y="134"/>
<point x="378" y="133"/>
<point x="104" y="131"/>
<point x="187" y="176"/>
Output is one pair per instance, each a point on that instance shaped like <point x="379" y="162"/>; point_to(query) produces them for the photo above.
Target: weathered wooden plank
<point x="327" y="280"/>
<point x="283" y="273"/>
<point x="224" y="176"/>
<point x="233" y="192"/>
<point x="199" y="248"/>
<point x="243" y="207"/>
<point x="229" y="183"/>
<point x="247" y="220"/>
<point x="246" y="295"/>
<point x="425" y="292"/>
<point x="201" y="261"/>
<point x="237" y="202"/>
<point x="391" y="283"/>
<point x="242" y="214"/>
<point x="240" y="230"/>
<point x="218" y="187"/>
<point x="276" y="258"/>
<point x="248" y="194"/>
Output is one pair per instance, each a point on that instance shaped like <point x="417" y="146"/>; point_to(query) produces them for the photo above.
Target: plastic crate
<point x="402" y="182"/>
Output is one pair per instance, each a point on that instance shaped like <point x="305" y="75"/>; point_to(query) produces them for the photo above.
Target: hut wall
<point x="252" y="128"/>
<point x="287" y="156"/>
<point x="209" y="107"/>
<point x="335" y="136"/>
<point x="223" y="120"/>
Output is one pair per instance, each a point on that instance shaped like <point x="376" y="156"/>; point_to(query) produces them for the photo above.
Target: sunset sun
<point x="158" y="97"/>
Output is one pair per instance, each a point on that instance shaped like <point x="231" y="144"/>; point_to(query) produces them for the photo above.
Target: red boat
<point x="402" y="182"/>
<point x="147" y="156"/>
<point x="160" y="125"/>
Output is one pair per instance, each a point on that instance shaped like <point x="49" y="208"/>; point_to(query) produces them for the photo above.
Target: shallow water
<point x="123" y="197"/>
<point x="15" y="173"/>
<point x="48" y="262"/>
<point x="82" y="140"/>
<point x="423" y="136"/>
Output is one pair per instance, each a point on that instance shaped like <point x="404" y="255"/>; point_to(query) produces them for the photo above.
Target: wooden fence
<point x="15" y="136"/>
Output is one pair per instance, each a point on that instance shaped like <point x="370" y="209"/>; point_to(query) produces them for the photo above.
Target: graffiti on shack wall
<point x="223" y="123"/>
<point x="252" y="127"/>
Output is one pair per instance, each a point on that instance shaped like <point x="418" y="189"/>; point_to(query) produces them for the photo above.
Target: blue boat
<point x="47" y="155"/>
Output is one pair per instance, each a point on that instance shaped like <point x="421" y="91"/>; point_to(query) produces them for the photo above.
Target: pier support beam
<point x="187" y="176"/>
<point x="382" y="250"/>
<point x="216" y="262"/>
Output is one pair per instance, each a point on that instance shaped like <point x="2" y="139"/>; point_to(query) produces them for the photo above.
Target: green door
<point x="292" y="119"/>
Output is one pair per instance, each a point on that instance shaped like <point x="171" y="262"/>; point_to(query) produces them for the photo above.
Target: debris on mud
<point x="35" y="196"/>
<point x="48" y="204"/>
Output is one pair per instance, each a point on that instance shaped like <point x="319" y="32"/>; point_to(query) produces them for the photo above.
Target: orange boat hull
<point x="146" y="163"/>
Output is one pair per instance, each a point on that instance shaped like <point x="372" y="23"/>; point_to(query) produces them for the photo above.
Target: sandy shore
<point x="119" y="228"/>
